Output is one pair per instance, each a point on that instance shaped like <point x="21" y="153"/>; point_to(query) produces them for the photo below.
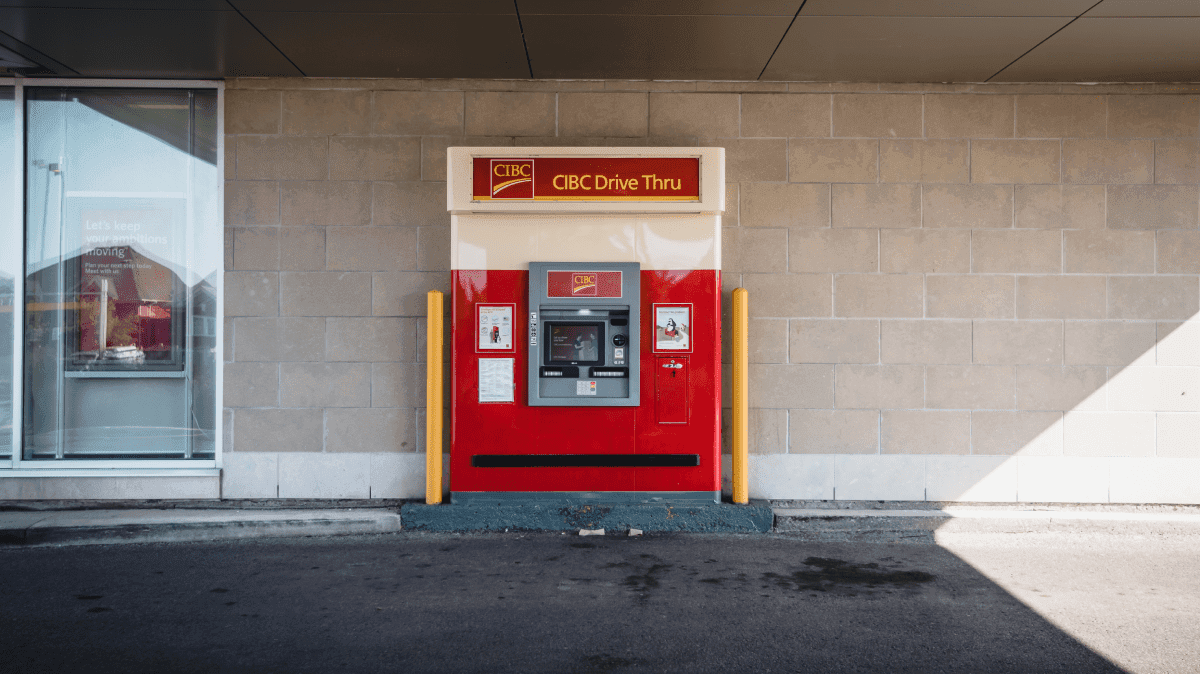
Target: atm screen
<point x="575" y="343"/>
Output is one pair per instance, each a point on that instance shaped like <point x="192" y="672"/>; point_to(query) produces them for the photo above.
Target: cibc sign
<point x="586" y="179"/>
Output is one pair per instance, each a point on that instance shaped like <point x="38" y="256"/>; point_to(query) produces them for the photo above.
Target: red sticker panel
<point x="583" y="284"/>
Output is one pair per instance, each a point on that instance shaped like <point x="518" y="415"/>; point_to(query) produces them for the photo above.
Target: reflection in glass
<point x="122" y="252"/>
<point x="10" y="265"/>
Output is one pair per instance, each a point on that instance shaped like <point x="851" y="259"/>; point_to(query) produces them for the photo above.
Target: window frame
<point x="16" y="465"/>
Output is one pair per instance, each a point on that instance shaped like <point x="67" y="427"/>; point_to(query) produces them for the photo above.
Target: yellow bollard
<point x="433" y="398"/>
<point x="741" y="400"/>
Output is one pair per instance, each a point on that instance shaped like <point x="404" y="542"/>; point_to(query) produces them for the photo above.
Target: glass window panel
<point x="122" y="255"/>
<point x="10" y="265"/>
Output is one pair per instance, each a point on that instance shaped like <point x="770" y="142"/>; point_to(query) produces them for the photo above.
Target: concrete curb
<point x="715" y="518"/>
<point x="101" y="527"/>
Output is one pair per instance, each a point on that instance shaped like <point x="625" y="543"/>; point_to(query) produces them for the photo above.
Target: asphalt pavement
<point x="1040" y="601"/>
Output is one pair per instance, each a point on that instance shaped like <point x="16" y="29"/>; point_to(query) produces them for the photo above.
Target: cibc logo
<point x="512" y="178"/>
<point x="583" y="285"/>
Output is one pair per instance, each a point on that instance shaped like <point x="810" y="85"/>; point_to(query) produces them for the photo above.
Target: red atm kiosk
<point x="586" y="324"/>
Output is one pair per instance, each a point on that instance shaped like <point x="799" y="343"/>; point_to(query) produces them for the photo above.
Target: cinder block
<point x="834" y="432"/>
<point x="1018" y="342"/>
<point x="768" y="339"/>
<point x="924" y="251"/>
<point x="371" y="248"/>
<point x="433" y="249"/>
<point x="404" y="113"/>
<point x="252" y="111"/>
<point x="230" y="171"/>
<point x="1060" y="116"/>
<point x="924" y="161"/>
<point x="1178" y="435"/>
<point x="398" y="475"/>
<point x="925" y="342"/>
<point x="786" y="115"/>
<point x="410" y="204"/>
<point x="1154" y="389"/>
<point x="767" y="431"/>
<point x="883" y="205"/>
<point x="991" y="479"/>
<point x="509" y="113"/>
<point x="251" y="204"/>
<point x="1157" y="480"/>
<point x="397" y="385"/>
<point x="877" y="115"/>
<point x="251" y="385"/>
<point x="1176" y="162"/>
<point x="757" y="250"/>
<point x="259" y="430"/>
<point x="783" y="476"/>
<point x="1108" y="434"/>
<point x="1061" y="388"/>
<point x="1060" y="206"/>
<point x="1061" y="296"/>
<point x="326" y="112"/>
<point x="603" y="114"/>
<point x="404" y="293"/>
<point x="250" y="475"/>
<point x="833" y="160"/>
<point x="877" y="295"/>
<point x="688" y="114"/>
<point x="282" y="158"/>
<point x="789" y="296"/>
<point x="370" y="430"/>
<point x="251" y="293"/>
<point x="1179" y="343"/>
<point x="325" y="475"/>
<point x="1118" y="343"/>
<point x="1062" y="479"/>
<point x="374" y="158"/>
<point x="975" y="387"/>
<point x="325" y="384"/>
<point x="754" y="159"/>
<point x="1153" y="116"/>
<point x="834" y="250"/>
<point x="302" y="248"/>
<point x="1153" y="206"/>
<point x="974" y="296"/>
<point x="279" y="339"/>
<point x="1153" y="297"/>
<point x="925" y="432"/>
<point x="1096" y="161"/>
<point x="885" y="478"/>
<point x="254" y="248"/>
<point x="1012" y="433"/>
<point x="1015" y="161"/>
<point x="325" y="294"/>
<point x="879" y="386"/>
<point x="324" y="203"/>
<point x="968" y="116"/>
<point x="818" y="340"/>
<point x="784" y="205"/>
<point x="370" y="339"/>
<point x="1017" y="251"/>
<point x="967" y="206"/>
<point x="733" y="205"/>
<point x="791" y="386"/>
<point x="1106" y="252"/>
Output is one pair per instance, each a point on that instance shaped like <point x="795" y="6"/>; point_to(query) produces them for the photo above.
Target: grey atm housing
<point x="619" y="319"/>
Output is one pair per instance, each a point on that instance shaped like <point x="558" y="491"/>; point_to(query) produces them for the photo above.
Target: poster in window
<point x="673" y="327"/>
<point x="130" y="298"/>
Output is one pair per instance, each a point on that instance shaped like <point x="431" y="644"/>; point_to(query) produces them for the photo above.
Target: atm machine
<point x="585" y="332"/>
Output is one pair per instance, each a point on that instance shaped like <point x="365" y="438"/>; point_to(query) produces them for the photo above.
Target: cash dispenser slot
<point x="560" y="372"/>
<point x="584" y="460"/>
<point x="610" y="372"/>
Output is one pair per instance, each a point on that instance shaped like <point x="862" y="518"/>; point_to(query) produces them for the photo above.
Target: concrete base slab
<point x="614" y="518"/>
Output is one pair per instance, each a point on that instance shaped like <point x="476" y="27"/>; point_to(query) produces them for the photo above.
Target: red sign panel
<point x="583" y="284"/>
<point x="586" y="179"/>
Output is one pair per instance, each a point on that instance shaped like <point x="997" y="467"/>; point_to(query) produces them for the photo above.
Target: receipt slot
<point x="583" y="334"/>
<point x="585" y="327"/>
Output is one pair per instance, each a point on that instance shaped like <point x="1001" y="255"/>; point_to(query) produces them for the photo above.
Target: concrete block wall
<point x="958" y="292"/>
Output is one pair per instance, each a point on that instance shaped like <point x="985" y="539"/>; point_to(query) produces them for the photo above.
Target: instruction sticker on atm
<point x="672" y="328"/>
<point x="495" y="327"/>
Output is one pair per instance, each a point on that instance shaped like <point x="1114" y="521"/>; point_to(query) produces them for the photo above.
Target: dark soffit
<point x="905" y="49"/>
<point x="675" y="47"/>
<point x="1071" y="8"/>
<point x="1146" y="8"/>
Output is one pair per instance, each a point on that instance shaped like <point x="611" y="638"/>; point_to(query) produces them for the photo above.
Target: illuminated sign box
<point x="586" y="179"/>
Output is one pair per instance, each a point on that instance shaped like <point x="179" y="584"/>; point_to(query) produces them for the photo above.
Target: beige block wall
<point x="934" y="270"/>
